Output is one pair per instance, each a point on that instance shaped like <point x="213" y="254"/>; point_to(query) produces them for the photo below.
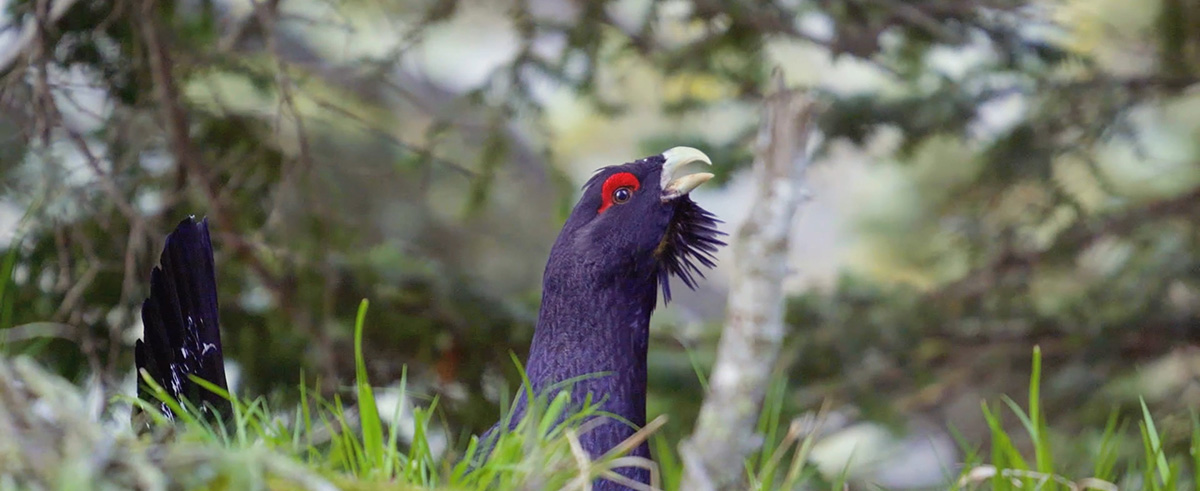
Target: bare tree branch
<point x="32" y="34"/>
<point x="750" y="343"/>
<point x="174" y="119"/>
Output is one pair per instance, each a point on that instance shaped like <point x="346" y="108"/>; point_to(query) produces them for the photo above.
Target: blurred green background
<point x="994" y="175"/>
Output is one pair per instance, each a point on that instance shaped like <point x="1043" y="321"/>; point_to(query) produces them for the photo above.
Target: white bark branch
<point x="750" y="343"/>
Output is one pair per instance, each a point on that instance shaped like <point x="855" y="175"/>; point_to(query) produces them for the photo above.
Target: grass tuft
<point x="1007" y="468"/>
<point x="330" y="443"/>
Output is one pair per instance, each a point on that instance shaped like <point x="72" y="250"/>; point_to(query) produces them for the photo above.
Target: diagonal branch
<point x="174" y="119"/>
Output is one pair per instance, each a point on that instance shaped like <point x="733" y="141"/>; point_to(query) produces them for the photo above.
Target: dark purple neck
<point x="595" y="321"/>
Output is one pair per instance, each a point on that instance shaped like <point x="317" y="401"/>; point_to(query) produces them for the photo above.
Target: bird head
<point x="637" y="220"/>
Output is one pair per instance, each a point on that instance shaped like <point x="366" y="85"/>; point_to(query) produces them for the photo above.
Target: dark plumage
<point x="601" y="285"/>
<point x="633" y="229"/>
<point x="691" y="238"/>
<point x="181" y="334"/>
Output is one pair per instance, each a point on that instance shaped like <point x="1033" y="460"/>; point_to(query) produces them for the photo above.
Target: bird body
<point x="633" y="228"/>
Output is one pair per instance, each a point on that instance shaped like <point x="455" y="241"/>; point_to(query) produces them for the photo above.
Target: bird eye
<point x="618" y="189"/>
<point x="622" y="194"/>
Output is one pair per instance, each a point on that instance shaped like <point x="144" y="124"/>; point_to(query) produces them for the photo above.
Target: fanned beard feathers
<point x="691" y="240"/>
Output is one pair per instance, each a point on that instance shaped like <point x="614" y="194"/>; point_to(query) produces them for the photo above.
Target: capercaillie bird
<point x="634" y="227"/>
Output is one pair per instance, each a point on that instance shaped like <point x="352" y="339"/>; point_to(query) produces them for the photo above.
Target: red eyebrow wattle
<point x="618" y="180"/>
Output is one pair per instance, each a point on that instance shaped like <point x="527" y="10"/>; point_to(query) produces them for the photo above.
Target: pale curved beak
<point x="674" y="187"/>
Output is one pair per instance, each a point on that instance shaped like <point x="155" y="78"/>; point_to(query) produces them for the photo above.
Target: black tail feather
<point x="181" y="334"/>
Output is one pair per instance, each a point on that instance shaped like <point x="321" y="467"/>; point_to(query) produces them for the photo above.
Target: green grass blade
<point x="1155" y="444"/>
<point x="355" y="454"/>
<point x="368" y="413"/>
<point x="769" y="420"/>
<point x="556" y="408"/>
<point x="1004" y="454"/>
<point x="668" y="463"/>
<point x="390" y="468"/>
<point x="1194" y="449"/>
<point x="306" y="423"/>
<point x="1026" y="421"/>
<point x="1041" y="441"/>
<point x="6" y="278"/>
<point x="700" y="375"/>
<point x="796" y="472"/>
<point x="1106" y="458"/>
